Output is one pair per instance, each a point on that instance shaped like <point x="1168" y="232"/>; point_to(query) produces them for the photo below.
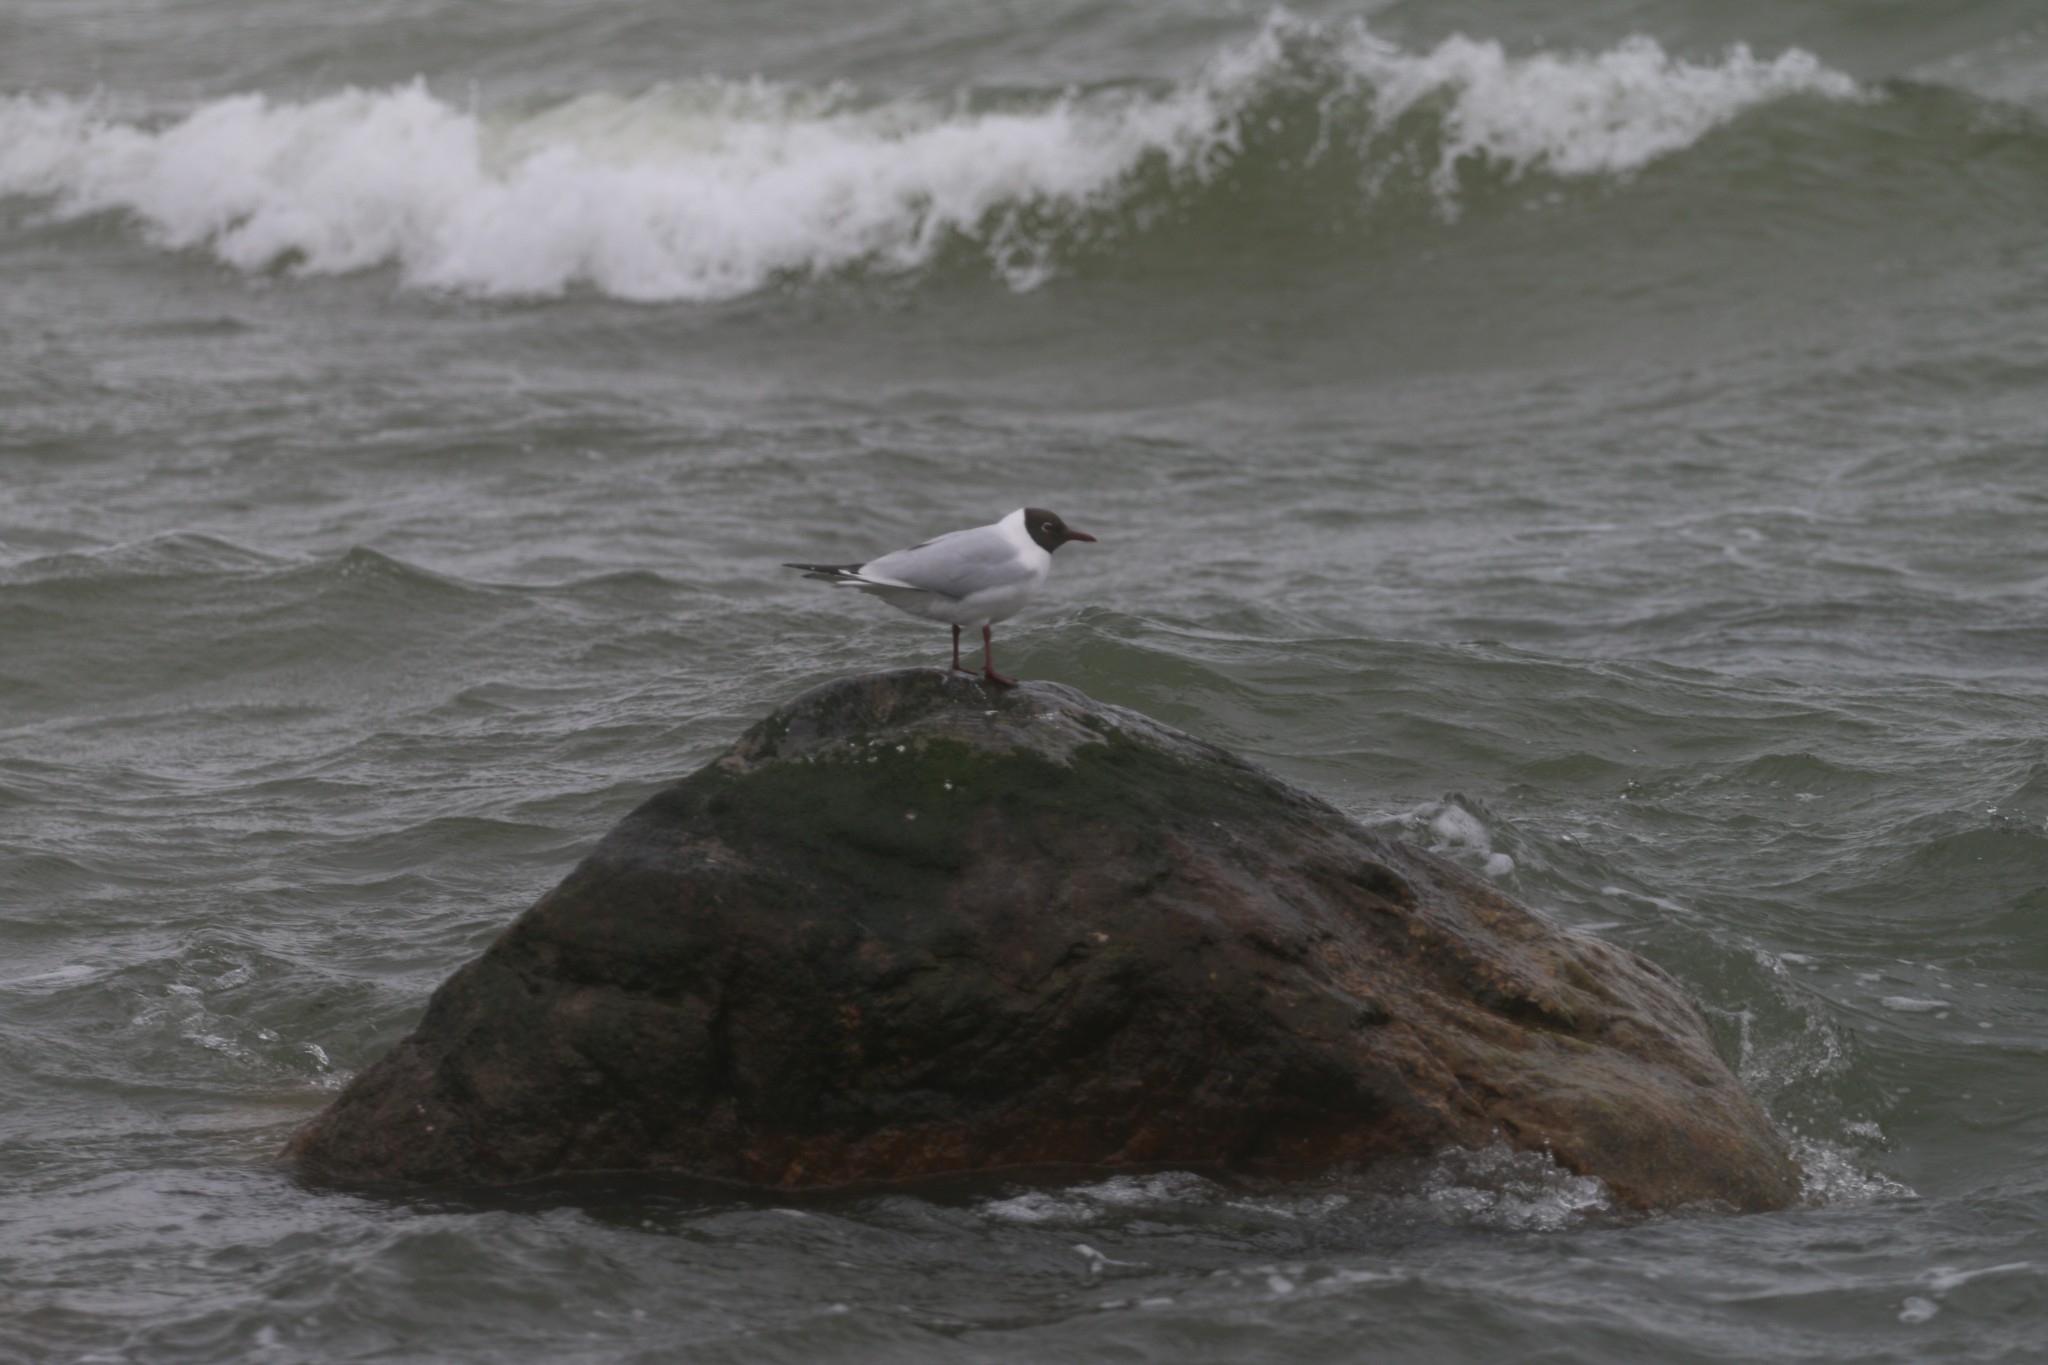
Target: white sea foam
<point x="1456" y="827"/>
<point x="1942" y="1279"/>
<point x="1507" y="1190"/>
<point x="1082" y="1204"/>
<point x="712" y="189"/>
<point x="1909" y="1004"/>
<point x="1833" y="1177"/>
<point x="699" y="192"/>
<point x="1493" y="1187"/>
<point x="1578" y="114"/>
<point x="56" y="979"/>
<point x="1456" y="832"/>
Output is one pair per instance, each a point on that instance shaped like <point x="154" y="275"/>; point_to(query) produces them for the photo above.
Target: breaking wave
<point x="712" y="189"/>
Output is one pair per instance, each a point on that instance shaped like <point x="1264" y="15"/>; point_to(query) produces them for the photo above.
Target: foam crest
<point x="1576" y="114"/>
<point x="713" y="189"/>
<point x="700" y="192"/>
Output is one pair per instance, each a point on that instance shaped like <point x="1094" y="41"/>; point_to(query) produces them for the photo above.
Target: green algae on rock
<point x="910" y="925"/>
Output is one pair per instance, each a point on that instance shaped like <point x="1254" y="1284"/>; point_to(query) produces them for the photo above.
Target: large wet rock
<point x="913" y="925"/>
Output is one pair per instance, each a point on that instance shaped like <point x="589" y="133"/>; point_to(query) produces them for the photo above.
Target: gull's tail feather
<point x="830" y="573"/>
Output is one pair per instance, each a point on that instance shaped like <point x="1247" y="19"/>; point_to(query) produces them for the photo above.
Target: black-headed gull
<point x="967" y="578"/>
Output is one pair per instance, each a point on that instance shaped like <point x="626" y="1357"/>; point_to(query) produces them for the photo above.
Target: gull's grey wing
<point x="957" y="564"/>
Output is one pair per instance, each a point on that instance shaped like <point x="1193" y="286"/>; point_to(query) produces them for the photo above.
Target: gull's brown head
<point x="1049" y="531"/>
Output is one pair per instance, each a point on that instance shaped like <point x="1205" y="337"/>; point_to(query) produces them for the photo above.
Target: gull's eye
<point x="1045" y="526"/>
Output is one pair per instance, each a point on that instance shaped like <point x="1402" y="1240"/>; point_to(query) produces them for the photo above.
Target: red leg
<point x="956" y="651"/>
<point x="988" y="662"/>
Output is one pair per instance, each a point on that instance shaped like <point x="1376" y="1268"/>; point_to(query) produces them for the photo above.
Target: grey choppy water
<point x="1609" y="456"/>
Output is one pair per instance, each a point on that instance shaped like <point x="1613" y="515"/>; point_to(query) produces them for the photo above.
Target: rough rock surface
<point x="912" y="925"/>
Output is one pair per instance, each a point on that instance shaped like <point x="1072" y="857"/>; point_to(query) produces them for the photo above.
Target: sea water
<point x="1603" y="443"/>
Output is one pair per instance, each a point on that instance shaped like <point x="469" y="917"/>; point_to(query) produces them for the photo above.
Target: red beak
<point x="1081" y="535"/>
